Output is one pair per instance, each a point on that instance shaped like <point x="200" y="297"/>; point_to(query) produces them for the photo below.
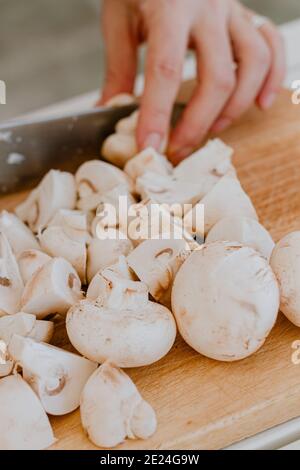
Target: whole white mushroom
<point x="285" y="262"/>
<point x="225" y="299"/>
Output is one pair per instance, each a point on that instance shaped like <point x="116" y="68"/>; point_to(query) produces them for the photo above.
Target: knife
<point x="30" y="148"/>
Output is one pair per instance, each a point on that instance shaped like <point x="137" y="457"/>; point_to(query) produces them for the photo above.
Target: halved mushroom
<point x="24" y="424"/>
<point x="94" y="179"/>
<point x="128" y="125"/>
<point x="123" y="326"/>
<point x="42" y="331"/>
<point x="56" y="243"/>
<point x="246" y="231"/>
<point x="285" y="262"/>
<point x="226" y="199"/>
<point x="225" y="299"/>
<point x="57" y="376"/>
<point x="122" y="99"/>
<point x="17" y="233"/>
<point x="148" y="160"/>
<point x="112" y="409"/>
<point x="53" y="289"/>
<point x="104" y="252"/>
<point x="57" y="190"/>
<point x="11" y="284"/>
<point x="168" y="191"/>
<point x="74" y="223"/>
<point x="119" y="149"/>
<point x="30" y="261"/>
<point x="156" y="263"/>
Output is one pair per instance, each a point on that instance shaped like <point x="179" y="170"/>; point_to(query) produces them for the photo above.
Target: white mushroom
<point x="56" y="243"/>
<point x="56" y="376"/>
<point x="30" y="261"/>
<point x="247" y="231"/>
<point x="119" y="149"/>
<point x="53" y="289"/>
<point x="112" y="409"/>
<point x="168" y="191"/>
<point x="124" y="326"/>
<point x="42" y="331"/>
<point x="94" y="179"/>
<point x="122" y="99"/>
<point x="148" y="160"/>
<point x="18" y="234"/>
<point x="226" y="199"/>
<point x="225" y="299"/>
<point x="156" y="263"/>
<point x="285" y="262"/>
<point x="74" y="223"/>
<point x="56" y="191"/>
<point x="105" y="252"/>
<point x="128" y="125"/>
<point x="11" y="284"/>
<point x="24" y="424"/>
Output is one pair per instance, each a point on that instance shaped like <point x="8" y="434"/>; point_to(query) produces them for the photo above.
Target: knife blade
<point x="30" y="148"/>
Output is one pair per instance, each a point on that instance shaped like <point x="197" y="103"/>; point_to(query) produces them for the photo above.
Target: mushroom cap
<point x="18" y="234"/>
<point x="148" y="160"/>
<point x="225" y="299"/>
<point x="75" y="224"/>
<point x="128" y="125"/>
<point x="11" y="284"/>
<point x="119" y="149"/>
<point x="285" y="262"/>
<point x="20" y="324"/>
<point x="24" y="424"/>
<point x="248" y="232"/>
<point x="112" y="409"/>
<point x="30" y="261"/>
<point x="128" y="337"/>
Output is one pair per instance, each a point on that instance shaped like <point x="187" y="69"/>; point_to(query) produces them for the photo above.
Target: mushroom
<point x="225" y="299"/>
<point x="285" y="262"/>
<point x="246" y="231"/>
<point x="53" y="289"/>
<point x="56" y="376"/>
<point x="128" y="125"/>
<point x="74" y="223"/>
<point x="94" y="179"/>
<point x="156" y="263"/>
<point x="122" y="99"/>
<point x="11" y="284"/>
<point x="18" y="234"/>
<point x="124" y="326"/>
<point x="104" y="252"/>
<point x="30" y="261"/>
<point x="112" y="409"/>
<point x="55" y="242"/>
<point x="148" y="160"/>
<point x="24" y="424"/>
<point x="119" y="149"/>
<point x="56" y="191"/>
<point x="168" y="191"/>
<point x="42" y="331"/>
<point x="226" y="199"/>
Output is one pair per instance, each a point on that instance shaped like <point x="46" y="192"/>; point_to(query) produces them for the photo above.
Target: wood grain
<point x="200" y="403"/>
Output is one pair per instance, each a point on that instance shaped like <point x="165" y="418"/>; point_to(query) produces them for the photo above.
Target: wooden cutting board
<point x="201" y="403"/>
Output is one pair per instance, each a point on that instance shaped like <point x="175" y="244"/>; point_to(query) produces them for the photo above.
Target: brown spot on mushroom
<point x="166" y="251"/>
<point x="61" y="385"/>
<point x="71" y="280"/>
<point x="89" y="184"/>
<point x="5" y="282"/>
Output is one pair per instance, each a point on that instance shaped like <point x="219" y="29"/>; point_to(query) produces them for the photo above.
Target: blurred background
<point x="51" y="50"/>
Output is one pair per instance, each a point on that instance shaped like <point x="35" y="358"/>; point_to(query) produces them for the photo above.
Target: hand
<point x="238" y="64"/>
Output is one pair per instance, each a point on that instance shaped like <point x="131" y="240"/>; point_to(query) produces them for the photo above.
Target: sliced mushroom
<point x="24" y="424"/>
<point x="94" y="179"/>
<point x="105" y="252"/>
<point x="156" y="263"/>
<point x="56" y="376"/>
<point x="53" y="289"/>
<point x="124" y="326"/>
<point x="18" y="234"/>
<point x="42" y="331"/>
<point x="56" y="243"/>
<point x="225" y="299"/>
<point x="118" y="149"/>
<point x="128" y="125"/>
<point x="30" y="261"/>
<point x="247" y="231"/>
<point x="74" y="223"/>
<point x="11" y="284"/>
<point x="285" y="262"/>
<point x="148" y="160"/>
<point x="226" y="199"/>
<point x="112" y="409"/>
<point x="56" y="191"/>
<point x="122" y="99"/>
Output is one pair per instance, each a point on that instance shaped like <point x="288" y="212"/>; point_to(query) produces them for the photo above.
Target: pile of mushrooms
<point x="71" y="251"/>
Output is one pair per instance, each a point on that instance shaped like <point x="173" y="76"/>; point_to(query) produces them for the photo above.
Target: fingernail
<point x="153" y="140"/>
<point x="221" y="124"/>
<point x="267" y="100"/>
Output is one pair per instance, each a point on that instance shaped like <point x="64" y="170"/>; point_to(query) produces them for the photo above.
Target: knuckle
<point x="167" y="69"/>
<point x="225" y="81"/>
